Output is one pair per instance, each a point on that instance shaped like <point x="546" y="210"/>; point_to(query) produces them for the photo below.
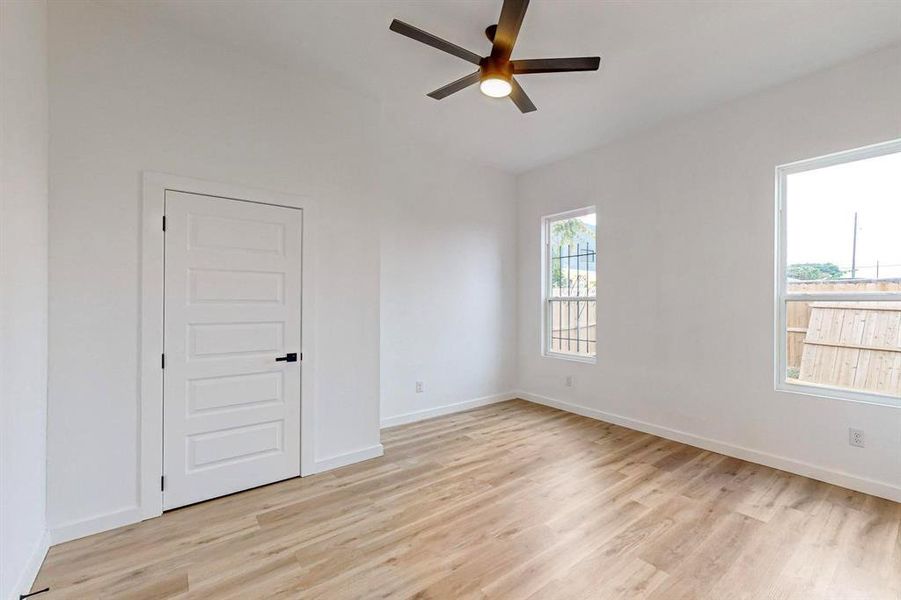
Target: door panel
<point x="225" y="339"/>
<point x="230" y="446"/>
<point x="234" y="391"/>
<point x="208" y="285"/>
<point x="232" y="306"/>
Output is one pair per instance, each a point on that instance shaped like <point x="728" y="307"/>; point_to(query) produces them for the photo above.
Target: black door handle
<point x="290" y="357"/>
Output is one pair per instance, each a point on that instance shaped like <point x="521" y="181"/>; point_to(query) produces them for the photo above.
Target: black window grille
<point x="572" y="305"/>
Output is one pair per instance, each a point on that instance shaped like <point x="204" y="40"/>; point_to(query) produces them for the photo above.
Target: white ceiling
<point x="658" y="58"/>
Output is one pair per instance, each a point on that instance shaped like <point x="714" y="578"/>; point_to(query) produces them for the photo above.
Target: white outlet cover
<point x="856" y="437"/>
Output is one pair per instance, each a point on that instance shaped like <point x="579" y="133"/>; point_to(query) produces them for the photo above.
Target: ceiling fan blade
<point x="455" y="86"/>
<point x="512" y="14"/>
<point x="555" y="65"/>
<point x="434" y="41"/>
<point x="520" y="99"/>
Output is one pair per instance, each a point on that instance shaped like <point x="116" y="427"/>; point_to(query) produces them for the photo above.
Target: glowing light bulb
<point x="495" y="87"/>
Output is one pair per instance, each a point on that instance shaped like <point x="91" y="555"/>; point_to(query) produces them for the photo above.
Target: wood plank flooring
<point x="515" y="501"/>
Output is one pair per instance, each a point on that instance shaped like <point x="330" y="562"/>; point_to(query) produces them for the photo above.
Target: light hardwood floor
<point x="513" y="500"/>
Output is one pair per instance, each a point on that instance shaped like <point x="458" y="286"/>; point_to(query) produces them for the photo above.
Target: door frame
<point x="150" y="372"/>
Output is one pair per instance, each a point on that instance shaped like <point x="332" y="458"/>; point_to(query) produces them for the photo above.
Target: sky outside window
<point x="821" y="204"/>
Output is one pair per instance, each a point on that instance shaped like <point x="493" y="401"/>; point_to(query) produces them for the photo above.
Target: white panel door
<point x="231" y="411"/>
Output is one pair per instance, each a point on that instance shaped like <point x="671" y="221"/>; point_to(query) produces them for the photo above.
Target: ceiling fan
<point x="496" y="71"/>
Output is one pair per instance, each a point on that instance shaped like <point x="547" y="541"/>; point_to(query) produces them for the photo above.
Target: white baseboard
<point x="428" y="413"/>
<point x="342" y="460"/>
<point x="79" y="529"/>
<point x="133" y="514"/>
<point x="30" y="572"/>
<point x="840" y="478"/>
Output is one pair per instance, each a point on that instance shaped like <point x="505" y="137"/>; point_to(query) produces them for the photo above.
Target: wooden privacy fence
<point x="846" y="344"/>
<point x="573" y="326"/>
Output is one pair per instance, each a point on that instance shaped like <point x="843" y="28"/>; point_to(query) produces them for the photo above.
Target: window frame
<point x="782" y="296"/>
<point x="546" y="321"/>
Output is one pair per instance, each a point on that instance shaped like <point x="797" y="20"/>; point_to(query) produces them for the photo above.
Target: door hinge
<point x="162" y="361"/>
<point x="162" y="483"/>
<point x="301" y="356"/>
<point x="164" y="222"/>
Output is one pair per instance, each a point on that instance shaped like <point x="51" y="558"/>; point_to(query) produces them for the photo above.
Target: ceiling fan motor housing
<point x="492" y="68"/>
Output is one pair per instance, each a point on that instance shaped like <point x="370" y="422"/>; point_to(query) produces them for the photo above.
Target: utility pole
<point x="854" y="251"/>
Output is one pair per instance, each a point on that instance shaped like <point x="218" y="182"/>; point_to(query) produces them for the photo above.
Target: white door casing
<point x="232" y="306"/>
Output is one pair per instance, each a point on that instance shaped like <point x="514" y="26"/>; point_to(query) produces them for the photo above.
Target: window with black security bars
<point x="571" y="285"/>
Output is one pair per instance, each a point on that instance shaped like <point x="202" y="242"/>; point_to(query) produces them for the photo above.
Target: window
<point x="570" y="285"/>
<point x="839" y="275"/>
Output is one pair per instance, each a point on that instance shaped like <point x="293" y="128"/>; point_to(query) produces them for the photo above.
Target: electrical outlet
<point x="569" y="381"/>
<point x="419" y="387"/>
<point x="855" y="437"/>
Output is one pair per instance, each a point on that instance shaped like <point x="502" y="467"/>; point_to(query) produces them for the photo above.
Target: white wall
<point x="128" y="96"/>
<point x="23" y="292"/>
<point x="448" y="282"/>
<point x="686" y="237"/>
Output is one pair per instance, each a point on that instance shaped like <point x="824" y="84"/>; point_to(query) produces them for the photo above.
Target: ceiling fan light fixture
<point x="495" y="87"/>
<point x="496" y="78"/>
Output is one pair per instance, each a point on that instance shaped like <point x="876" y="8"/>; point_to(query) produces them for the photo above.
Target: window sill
<point x="589" y="360"/>
<point x="834" y="393"/>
